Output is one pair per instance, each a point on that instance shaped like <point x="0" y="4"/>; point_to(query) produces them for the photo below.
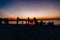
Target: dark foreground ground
<point x="26" y="32"/>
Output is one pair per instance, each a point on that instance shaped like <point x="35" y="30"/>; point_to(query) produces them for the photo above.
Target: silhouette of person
<point x="0" y="20"/>
<point x="28" y="20"/>
<point x="41" y="23"/>
<point x="49" y="23"/>
<point x="36" y="22"/>
<point x="22" y="22"/>
<point x="31" y="22"/>
<point x="6" y="21"/>
<point x="17" y="19"/>
<point x="52" y="23"/>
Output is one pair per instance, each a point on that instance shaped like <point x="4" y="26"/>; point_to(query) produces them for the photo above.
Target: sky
<point x="30" y="8"/>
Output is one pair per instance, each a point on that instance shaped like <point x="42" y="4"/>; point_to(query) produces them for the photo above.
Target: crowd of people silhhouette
<point x="41" y="23"/>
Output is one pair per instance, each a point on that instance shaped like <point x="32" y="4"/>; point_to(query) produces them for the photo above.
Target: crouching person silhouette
<point x="41" y="23"/>
<point x="50" y="23"/>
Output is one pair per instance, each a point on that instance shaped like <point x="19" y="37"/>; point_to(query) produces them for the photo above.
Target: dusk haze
<point x="29" y="19"/>
<point x="24" y="9"/>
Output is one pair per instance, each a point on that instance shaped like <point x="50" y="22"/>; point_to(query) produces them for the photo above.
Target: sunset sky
<point x="30" y="8"/>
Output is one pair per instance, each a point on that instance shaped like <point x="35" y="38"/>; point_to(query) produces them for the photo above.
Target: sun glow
<point x="31" y="10"/>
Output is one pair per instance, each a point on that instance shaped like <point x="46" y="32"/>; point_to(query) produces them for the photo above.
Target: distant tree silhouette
<point x="6" y="21"/>
<point x="36" y="22"/>
<point x="0" y="20"/>
<point x="41" y="23"/>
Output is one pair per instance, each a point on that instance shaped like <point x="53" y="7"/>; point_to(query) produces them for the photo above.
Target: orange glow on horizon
<point x="47" y="17"/>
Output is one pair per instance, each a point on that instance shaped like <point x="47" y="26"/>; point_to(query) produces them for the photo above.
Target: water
<point x="56" y="22"/>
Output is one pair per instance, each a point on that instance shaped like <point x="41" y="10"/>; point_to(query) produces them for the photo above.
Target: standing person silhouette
<point x="17" y="19"/>
<point x="28" y="20"/>
<point x="6" y="21"/>
<point x="36" y="22"/>
<point x="0" y="20"/>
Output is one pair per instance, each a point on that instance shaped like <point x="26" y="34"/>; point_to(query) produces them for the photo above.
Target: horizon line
<point x="33" y="18"/>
